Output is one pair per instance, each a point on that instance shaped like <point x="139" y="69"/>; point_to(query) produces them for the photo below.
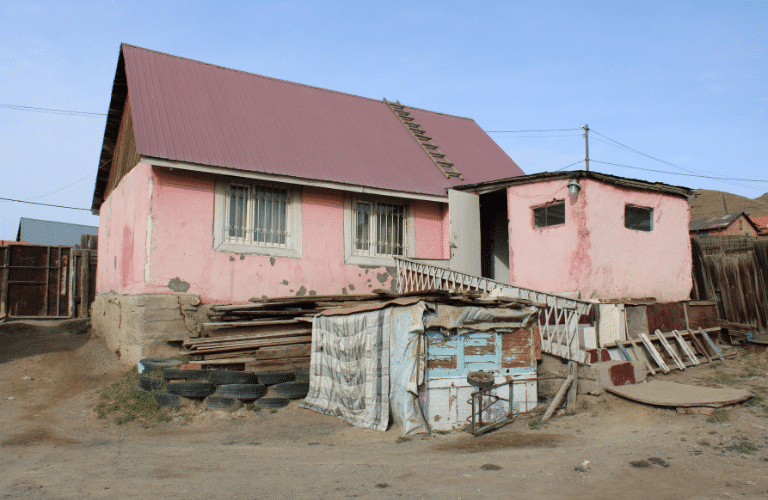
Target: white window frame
<point x="222" y="242"/>
<point x="351" y="254"/>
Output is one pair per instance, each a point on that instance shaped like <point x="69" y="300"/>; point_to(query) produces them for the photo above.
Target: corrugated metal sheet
<point x="200" y="113"/>
<point x="46" y="232"/>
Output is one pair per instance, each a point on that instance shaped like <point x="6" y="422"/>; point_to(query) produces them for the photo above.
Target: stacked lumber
<point x="275" y="334"/>
<point x="271" y="334"/>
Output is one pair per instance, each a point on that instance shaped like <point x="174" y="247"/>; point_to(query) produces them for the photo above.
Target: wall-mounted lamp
<point x="573" y="188"/>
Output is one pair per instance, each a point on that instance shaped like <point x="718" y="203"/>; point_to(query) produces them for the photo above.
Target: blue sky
<point x="683" y="82"/>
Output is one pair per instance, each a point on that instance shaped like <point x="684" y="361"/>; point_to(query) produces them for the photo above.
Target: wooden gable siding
<point x="125" y="156"/>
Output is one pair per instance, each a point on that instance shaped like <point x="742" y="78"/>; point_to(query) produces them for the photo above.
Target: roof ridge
<point x="283" y="81"/>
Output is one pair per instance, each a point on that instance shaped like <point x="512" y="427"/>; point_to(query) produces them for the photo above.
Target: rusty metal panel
<point x="665" y="317"/>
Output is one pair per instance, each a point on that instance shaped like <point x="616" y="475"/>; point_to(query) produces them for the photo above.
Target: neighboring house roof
<point x="46" y="232"/>
<point x="495" y="185"/>
<point x="761" y="222"/>
<point x="198" y="113"/>
<point x="718" y="222"/>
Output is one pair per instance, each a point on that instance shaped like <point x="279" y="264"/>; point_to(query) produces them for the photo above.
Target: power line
<point x="52" y="111"/>
<point x="528" y="131"/>
<point x="572" y="164"/>
<point x="44" y="204"/>
<point x="680" y="173"/>
<point x="618" y="145"/>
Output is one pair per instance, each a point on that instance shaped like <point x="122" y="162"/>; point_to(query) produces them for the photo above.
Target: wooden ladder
<point x="686" y="355"/>
<point x="427" y="144"/>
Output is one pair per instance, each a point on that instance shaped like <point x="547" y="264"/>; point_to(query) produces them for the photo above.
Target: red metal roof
<point x="199" y="113"/>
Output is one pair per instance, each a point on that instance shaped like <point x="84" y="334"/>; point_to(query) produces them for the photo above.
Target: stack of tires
<point x="221" y="389"/>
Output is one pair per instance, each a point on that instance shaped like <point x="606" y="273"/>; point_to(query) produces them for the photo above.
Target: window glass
<point x="257" y="215"/>
<point x="549" y="215"/>
<point x="638" y="218"/>
<point x="379" y="229"/>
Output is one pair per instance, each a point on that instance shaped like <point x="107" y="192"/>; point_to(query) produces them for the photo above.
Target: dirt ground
<point x="53" y="446"/>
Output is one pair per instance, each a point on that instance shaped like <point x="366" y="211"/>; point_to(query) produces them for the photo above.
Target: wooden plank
<point x="47" y="280"/>
<point x="253" y="343"/>
<point x="685" y="348"/>
<point x="639" y="354"/>
<point x="700" y="347"/>
<point x="229" y="361"/>
<point x="235" y="338"/>
<point x="230" y="354"/>
<point x="276" y="364"/>
<point x="654" y="354"/>
<point x="711" y="344"/>
<point x="558" y="397"/>
<point x="670" y="351"/>
<point x="573" y="391"/>
<point x="623" y="350"/>
<point x="278" y="352"/>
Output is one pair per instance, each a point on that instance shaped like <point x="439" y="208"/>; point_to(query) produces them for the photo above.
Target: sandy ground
<point x="53" y="446"/>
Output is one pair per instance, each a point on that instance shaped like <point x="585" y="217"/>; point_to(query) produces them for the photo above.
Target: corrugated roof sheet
<point x="717" y="222"/>
<point x="46" y="232"/>
<point x="199" y="113"/>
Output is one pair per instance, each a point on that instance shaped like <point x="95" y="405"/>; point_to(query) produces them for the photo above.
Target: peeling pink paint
<point x="593" y="252"/>
<point x="181" y="243"/>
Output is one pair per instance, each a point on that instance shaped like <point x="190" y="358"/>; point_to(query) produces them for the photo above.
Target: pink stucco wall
<point x="593" y="252"/>
<point x="166" y="243"/>
<point x="123" y="232"/>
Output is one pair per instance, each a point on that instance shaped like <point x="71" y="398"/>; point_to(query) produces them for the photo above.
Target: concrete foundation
<point x="140" y="326"/>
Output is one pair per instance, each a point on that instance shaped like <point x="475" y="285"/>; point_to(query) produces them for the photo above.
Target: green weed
<point x="124" y="403"/>
<point x="718" y="417"/>
<point x="536" y="424"/>
<point x="402" y="439"/>
<point x="743" y="446"/>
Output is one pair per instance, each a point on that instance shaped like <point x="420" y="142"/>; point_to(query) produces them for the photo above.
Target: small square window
<point x="638" y="218"/>
<point x="549" y="215"/>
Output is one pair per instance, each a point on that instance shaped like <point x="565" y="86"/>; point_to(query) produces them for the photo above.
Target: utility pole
<point x="724" y="205"/>
<point x="586" y="142"/>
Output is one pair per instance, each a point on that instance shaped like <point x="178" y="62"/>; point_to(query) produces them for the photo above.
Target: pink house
<point x="217" y="185"/>
<point x="602" y="236"/>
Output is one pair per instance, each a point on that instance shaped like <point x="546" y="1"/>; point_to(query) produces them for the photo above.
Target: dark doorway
<point x="494" y="236"/>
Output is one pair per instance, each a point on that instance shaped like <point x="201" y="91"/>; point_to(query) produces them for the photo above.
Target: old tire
<point x="272" y="378"/>
<point x="220" y="377"/>
<point x="272" y="402"/>
<point x="480" y="379"/>
<point x="152" y="364"/>
<point x="166" y="399"/>
<point x="301" y="374"/>
<point x="291" y="390"/>
<point x="244" y="392"/>
<point x="191" y="389"/>
<point x="225" y="403"/>
<point x="183" y="374"/>
<point x="151" y="383"/>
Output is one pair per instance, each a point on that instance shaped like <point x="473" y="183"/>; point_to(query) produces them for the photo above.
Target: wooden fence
<point x="39" y="281"/>
<point x="733" y="272"/>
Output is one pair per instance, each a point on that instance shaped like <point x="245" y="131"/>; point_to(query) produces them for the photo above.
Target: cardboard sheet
<point x="661" y="393"/>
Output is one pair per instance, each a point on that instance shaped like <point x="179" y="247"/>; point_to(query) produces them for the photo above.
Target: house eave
<point x="300" y="181"/>
<point x="491" y="186"/>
